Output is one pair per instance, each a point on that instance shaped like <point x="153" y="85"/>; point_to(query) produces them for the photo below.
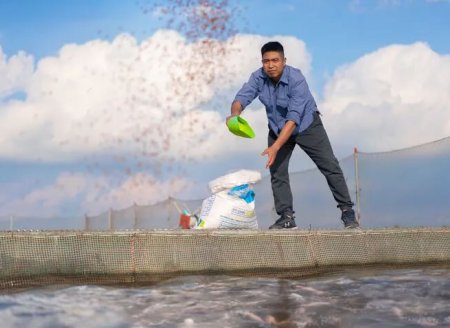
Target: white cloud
<point x="395" y="97"/>
<point x="94" y="194"/>
<point x="15" y="72"/>
<point x="46" y="200"/>
<point x="111" y="97"/>
<point x="139" y="188"/>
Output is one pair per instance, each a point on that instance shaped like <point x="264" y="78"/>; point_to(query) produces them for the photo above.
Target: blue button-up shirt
<point x="288" y="100"/>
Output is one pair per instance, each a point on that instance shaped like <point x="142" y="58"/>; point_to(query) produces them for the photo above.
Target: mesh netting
<point x="30" y="258"/>
<point x="404" y="188"/>
<point x="410" y="187"/>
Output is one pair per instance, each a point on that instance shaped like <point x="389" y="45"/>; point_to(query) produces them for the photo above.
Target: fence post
<point x="11" y="222"/>
<point x="358" y="190"/>
<point x="86" y="222"/>
<point x="110" y="219"/>
<point x="135" y="215"/>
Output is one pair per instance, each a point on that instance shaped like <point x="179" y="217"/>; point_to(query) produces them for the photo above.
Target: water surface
<point x="413" y="297"/>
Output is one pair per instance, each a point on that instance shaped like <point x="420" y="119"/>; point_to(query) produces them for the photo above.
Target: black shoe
<point x="349" y="219"/>
<point x="286" y="221"/>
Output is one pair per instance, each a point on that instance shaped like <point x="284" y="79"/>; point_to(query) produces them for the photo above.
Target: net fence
<point x="404" y="188"/>
<point x="37" y="258"/>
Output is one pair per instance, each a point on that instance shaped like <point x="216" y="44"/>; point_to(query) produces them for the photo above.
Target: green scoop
<point x="238" y="126"/>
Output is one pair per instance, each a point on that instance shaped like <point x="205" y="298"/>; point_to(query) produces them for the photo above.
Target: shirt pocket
<point x="282" y="105"/>
<point x="265" y="100"/>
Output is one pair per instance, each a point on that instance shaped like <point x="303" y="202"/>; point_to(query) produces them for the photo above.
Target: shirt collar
<point x="283" y="78"/>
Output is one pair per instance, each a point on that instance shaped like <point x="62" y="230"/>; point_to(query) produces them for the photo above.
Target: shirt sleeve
<point x="298" y="102"/>
<point x="248" y="92"/>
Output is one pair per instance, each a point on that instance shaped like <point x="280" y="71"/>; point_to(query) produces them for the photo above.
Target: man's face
<point x="273" y="64"/>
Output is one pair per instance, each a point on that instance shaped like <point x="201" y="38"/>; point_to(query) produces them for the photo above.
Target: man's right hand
<point x="236" y="110"/>
<point x="230" y="117"/>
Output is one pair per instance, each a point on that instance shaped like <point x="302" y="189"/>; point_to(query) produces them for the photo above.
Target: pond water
<point x="408" y="297"/>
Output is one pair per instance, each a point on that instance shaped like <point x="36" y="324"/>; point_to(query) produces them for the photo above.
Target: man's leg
<point x="314" y="141"/>
<point x="279" y="174"/>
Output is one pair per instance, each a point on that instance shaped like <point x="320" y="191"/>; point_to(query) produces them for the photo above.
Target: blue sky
<point x="336" y="32"/>
<point x="79" y="86"/>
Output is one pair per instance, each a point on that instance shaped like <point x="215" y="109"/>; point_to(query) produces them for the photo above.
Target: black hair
<point x="272" y="46"/>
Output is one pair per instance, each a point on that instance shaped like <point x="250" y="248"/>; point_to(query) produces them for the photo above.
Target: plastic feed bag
<point x="229" y="209"/>
<point x="234" y="179"/>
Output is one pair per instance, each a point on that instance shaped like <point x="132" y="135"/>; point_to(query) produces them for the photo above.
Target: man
<point x="293" y="119"/>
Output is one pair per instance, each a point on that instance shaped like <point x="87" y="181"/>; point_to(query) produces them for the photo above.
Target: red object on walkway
<point x="185" y="221"/>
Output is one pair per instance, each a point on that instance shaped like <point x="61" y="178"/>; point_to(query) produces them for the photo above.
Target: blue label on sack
<point x="243" y="191"/>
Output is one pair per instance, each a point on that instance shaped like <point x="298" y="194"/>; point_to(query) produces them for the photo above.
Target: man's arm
<point x="245" y="96"/>
<point x="236" y="109"/>
<point x="284" y="135"/>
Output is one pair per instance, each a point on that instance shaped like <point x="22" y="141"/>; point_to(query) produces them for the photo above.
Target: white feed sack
<point x="232" y="205"/>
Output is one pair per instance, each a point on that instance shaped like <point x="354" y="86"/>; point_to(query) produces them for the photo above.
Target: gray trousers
<point x="315" y="143"/>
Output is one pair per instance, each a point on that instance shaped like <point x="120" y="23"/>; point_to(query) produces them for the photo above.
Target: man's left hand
<point x="271" y="153"/>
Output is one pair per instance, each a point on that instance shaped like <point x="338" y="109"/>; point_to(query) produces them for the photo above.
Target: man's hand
<point x="236" y="110"/>
<point x="229" y="117"/>
<point x="271" y="153"/>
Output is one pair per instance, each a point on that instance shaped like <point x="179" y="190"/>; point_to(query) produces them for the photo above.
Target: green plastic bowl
<point x="238" y="126"/>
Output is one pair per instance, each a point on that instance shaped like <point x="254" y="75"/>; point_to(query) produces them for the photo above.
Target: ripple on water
<point x="375" y="298"/>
